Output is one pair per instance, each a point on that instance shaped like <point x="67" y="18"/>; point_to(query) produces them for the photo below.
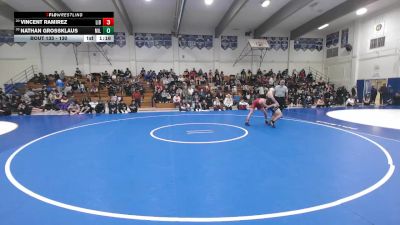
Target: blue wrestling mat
<point x="207" y="167"/>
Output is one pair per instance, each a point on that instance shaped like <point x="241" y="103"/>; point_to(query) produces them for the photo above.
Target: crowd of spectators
<point x="197" y="90"/>
<point x="193" y="90"/>
<point x="56" y="92"/>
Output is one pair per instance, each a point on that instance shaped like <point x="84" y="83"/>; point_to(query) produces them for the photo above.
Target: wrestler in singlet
<point x="259" y="103"/>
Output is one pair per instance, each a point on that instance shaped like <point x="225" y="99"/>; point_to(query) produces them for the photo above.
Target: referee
<point x="281" y="94"/>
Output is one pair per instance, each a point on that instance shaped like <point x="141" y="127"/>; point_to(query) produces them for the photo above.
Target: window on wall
<point x="377" y="43"/>
<point x="332" y="52"/>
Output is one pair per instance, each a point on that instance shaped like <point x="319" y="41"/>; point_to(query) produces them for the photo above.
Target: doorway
<point x="377" y="83"/>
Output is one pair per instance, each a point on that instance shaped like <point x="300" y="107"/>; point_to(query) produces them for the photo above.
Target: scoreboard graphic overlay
<point x="64" y="26"/>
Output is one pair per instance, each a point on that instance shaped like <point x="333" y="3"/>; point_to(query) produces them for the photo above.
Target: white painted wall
<point x="362" y="62"/>
<point x="382" y="62"/>
<point x="339" y="69"/>
<point x="50" y="58"/>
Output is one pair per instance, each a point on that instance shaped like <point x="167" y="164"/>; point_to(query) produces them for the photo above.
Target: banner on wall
<point x="120" y="39"/>
<point x="153" y="40"/>
<point x="308" y="44"/>
<point x="277" y="43"/>
<point x="229" y="42"/>
<point x="195" y="41"/>
<point x="7" y="37"/>
<point x="332" y="39"/>
<point x="344" y="38"/>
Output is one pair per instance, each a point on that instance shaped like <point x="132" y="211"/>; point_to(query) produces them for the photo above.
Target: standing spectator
<point x="384" y="93"/>
<point x="59" y="85"/>
<point x="353" y="92"/>
<point x="137" y="97"/>
<point x="78" y="73"/>
<point x="62" y="75"/>
<point x="281" y="94"/>
<point x="374" y="93"/>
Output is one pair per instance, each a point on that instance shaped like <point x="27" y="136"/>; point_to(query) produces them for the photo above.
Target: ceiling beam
<point x="58" y="5"/>
<point x="119" y="6"/>
<point x="179" y="9"/>
<point x="279" y="16"/>
<point x="330" y="15"/>
<point x="233" y="10"/>
<point x="7" y="11"/>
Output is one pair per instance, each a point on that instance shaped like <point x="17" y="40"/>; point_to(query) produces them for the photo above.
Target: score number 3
<point x="108" y="21"/>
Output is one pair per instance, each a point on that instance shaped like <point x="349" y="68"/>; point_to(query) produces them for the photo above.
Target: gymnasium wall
<point x="382" y="62"/>
<point x="50" y="58"/>
<point x="363" y="62"/>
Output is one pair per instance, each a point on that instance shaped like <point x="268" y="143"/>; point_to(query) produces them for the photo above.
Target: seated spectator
<point x="82" y="88"/>
<point x="112" y="107"/>
<point x="100" y="108"/>
<point x="308" y="102"/>
<point x="29" y="92"/>
<point x="367" y="100"/>
<point x="176" y="100"/>
<point x="94" y="89"/>
<point x="46" y="104"/>
<point x="5" y="110"/>
<point x="133" y="107"/>
<point x="350" y="101"/>
<point x="78" y="72"/>
<point x="228" y="102"/>
<point x="73" y="108"/>
<point x="243" y="105"/>
<point x="67" y="89"/>
<point x="122" y="108"/>
<point x="86" y="108"/>
<point x="59" y="85"/>
<point x="197" y="106"/>
<point x="320" y="103"/>
<point x="184" y="106"/>
<point x="127" y="73"/>
<point x="24" y="108"/>
<point x="164" y="95"/>
<point x="217" y="104"/>
<point x="62" y="103"/>
<point x="204" y="105"/>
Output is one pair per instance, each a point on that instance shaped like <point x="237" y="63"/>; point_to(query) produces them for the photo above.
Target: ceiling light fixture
<point x="323" y="26"/>
<point x="208" y="2"/>
<point x="148" y="0"/>
<point x="361" y="11"/>
<point x="265" y="3"/>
